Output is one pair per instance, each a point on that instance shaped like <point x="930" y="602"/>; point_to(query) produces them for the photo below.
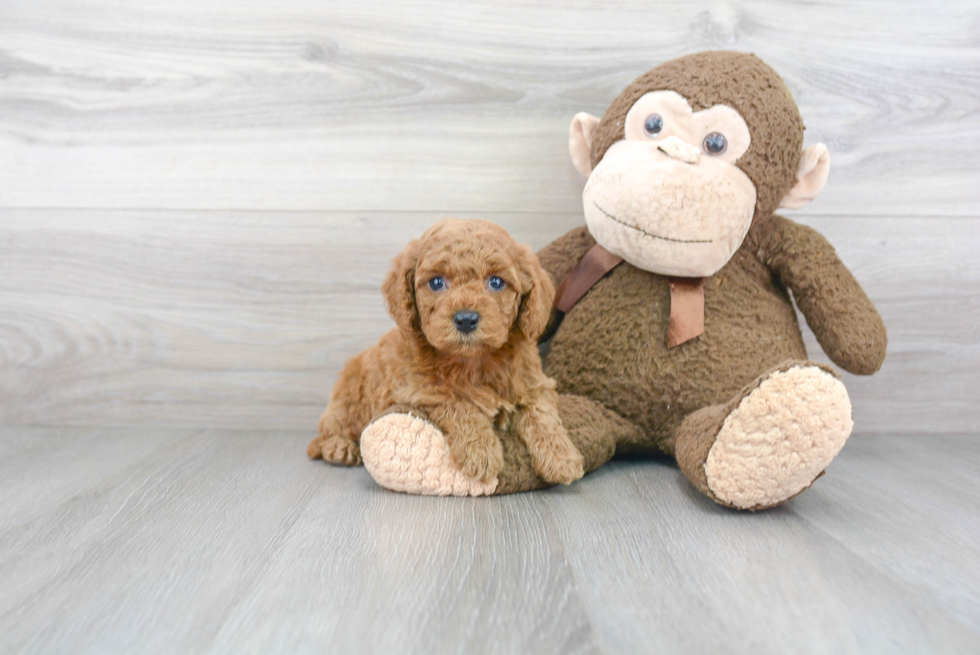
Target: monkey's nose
<point x="676" y="148"/>
<point x="466" y="322"/>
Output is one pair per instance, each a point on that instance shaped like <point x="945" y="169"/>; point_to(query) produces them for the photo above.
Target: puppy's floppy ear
<point x="537" y="295"/>
<point x="399" y="288"/>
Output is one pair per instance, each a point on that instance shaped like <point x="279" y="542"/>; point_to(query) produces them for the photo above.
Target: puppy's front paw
<point x="341" y="451"/>
<point x="479" y="460"/>
<point x="315" y="448"/>
<point x="557" y="459"/>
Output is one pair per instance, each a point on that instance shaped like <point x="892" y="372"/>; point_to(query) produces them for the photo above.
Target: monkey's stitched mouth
<point x="644" y="232"/>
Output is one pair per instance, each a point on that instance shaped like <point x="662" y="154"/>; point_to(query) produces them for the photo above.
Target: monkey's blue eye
<point x="715" y="143"/>
<point x="496" y="284"/>
<point x="437" y="283"/>
<point x="653" y="124"/>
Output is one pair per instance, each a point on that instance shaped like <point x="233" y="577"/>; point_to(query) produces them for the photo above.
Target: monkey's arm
<point x="562" y="255"/>
<point x="844" y="320"/>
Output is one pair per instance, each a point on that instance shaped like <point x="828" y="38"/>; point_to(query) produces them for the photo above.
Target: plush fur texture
<point x="466" y="382"/>
<point x="779" y="438"/>
<point x="659" y="200"/>
<point x="770" y="441"/>
<point x="746" y="84"/>
<point x="405" y="451"/>
<point x="610" y="346"/>
<point x="750" y="421"/>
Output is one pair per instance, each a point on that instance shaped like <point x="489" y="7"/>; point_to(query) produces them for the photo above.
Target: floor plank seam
<point x="875" y="565"/>
<point x="132" y="466"/>
<point x="269" y="554"/>
<point x="573" y="577"/>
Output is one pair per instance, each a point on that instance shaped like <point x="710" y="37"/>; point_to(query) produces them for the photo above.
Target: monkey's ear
<point x="537" y="296"/>
<point x="399" y="288"/>
<point x="580" y="136"/>
<point x="810" y="177"/>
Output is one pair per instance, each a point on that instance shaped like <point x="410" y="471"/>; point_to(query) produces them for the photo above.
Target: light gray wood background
<point x="199" y="198"/>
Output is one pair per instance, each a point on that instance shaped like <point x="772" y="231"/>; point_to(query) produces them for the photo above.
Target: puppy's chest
<point x="490" y="389"/>
<point x="494" y="404"/>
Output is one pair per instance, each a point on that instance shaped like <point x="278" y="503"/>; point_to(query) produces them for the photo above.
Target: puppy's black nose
<point x="466" y="322"/>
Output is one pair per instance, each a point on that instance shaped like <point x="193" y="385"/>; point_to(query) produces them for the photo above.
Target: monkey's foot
<point x="779" y="438"/>
<point x="771" y="442"/>
<point x="408" y="454"/>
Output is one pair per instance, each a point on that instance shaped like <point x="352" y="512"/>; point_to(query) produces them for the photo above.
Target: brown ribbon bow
<point x="686" y="294"/>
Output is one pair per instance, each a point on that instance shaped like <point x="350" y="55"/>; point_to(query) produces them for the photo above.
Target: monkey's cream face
<point x="668" y="198"/>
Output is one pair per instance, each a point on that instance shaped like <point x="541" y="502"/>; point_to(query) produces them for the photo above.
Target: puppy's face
<point x="467" y="287"/>
<point x="467" y="297"/>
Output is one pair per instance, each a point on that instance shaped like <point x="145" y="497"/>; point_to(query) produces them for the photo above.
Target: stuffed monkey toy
<point x="674" y="331"/>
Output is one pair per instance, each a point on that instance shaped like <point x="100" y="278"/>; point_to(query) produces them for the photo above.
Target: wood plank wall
<point x="199" y="198"/>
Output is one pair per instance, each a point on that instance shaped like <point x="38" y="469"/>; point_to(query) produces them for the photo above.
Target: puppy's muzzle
<point x="466" y="322"/>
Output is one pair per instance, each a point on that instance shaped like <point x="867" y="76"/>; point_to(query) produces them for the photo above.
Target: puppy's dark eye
<point x="437" y="283"/>
<point x="653" y="124"/>
<point x="496" y="284"/>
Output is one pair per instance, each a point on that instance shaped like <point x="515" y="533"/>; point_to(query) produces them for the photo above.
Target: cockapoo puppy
<point x="470" y="304"/>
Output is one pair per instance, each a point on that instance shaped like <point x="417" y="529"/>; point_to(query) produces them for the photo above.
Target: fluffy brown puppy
<point x="470" y="304"/>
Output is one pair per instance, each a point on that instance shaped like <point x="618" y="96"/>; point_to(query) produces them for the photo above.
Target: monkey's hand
<point x="844" y="320"/>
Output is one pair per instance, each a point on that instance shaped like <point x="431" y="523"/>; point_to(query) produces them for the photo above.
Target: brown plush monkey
<point x="675" y="331"/>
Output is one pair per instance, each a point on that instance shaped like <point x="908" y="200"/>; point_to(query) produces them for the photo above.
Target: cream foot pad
<point x="781" y="436"/>
<point x="405" y="453"/>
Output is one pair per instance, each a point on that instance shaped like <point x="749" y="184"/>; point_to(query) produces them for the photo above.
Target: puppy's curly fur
<point x="468" y="380"/>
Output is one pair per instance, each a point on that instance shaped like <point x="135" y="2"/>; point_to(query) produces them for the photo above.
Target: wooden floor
<point x="134" y="540"/>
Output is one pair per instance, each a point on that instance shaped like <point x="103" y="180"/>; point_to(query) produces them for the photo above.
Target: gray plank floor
<point x="131" y="540"/>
